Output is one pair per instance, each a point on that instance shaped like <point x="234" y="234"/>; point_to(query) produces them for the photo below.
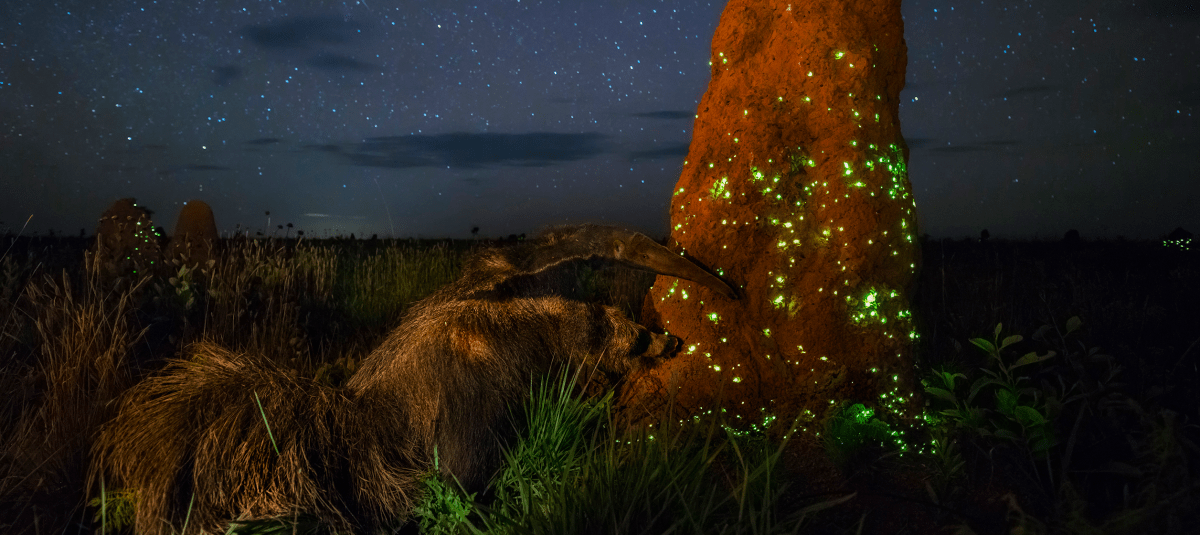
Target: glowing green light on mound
<point x="778" y="301"/>
<point x="767" y="332"/>
<point x="737" y="379"/>
<point x="838" y="55"/>
<point x="719" y="189"/>
<point x="713" y="317"/>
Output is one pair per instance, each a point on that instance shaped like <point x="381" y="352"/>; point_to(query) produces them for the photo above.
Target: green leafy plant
<point x="1019" y="413"/>
<point x="443" y="509"/>
<point x="114" y="510"/>
<point x="852" y="430"/>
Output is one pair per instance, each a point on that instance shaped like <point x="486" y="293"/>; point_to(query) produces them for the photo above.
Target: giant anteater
<point x="199" y="440"/>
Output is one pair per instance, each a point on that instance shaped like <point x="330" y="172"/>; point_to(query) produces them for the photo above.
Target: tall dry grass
<point x="80" y="334"/>
<point x="68" y="342"/>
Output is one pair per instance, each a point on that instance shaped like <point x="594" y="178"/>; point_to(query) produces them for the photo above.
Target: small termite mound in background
<point x="126" y="241"/>
<point x="195" y="234"/>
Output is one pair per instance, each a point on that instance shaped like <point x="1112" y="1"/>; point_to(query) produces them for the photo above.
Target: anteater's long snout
<point x="645" y="253"/>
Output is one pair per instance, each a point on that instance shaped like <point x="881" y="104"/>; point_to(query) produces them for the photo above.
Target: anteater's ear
<point x="618" y="247"/>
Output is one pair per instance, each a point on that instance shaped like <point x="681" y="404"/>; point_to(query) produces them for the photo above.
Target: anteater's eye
<point x="642" y="343"/>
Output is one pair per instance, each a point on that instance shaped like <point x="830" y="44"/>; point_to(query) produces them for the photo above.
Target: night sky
<point x="428" y="119"/>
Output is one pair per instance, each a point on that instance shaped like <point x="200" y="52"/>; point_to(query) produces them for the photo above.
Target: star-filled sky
<point x="431" y="118"/>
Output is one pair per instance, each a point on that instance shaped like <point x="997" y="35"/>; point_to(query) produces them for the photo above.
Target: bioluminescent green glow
<point x="720" y="189"/>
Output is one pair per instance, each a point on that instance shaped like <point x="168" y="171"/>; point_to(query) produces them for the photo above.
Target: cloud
<point x="334" y="62"/>
<point x="301" y="32"/>
<point x="1171" y="9"/>
<point x="264" y="141"/>
<point x="465" y="150"/>
<point x="328" y="147"/>
<point x="666" y="114"/>
<point x="206" y="167"/>
<point x="672" y="151"/>
<point x="222" y="75"/>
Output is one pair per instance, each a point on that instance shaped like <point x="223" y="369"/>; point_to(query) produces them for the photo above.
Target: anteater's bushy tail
<point x="225" y="436"/>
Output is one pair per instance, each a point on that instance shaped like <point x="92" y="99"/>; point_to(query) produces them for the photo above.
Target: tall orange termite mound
<point x="195" y="234"/>
<point x="795" y="190"/>
<point x="127" y="240"/>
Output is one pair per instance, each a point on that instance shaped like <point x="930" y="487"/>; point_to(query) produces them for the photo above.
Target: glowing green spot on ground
<point x="838" y="54"/>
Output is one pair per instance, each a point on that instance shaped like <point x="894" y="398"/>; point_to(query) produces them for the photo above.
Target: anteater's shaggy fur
<point x="194" y="436"/>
